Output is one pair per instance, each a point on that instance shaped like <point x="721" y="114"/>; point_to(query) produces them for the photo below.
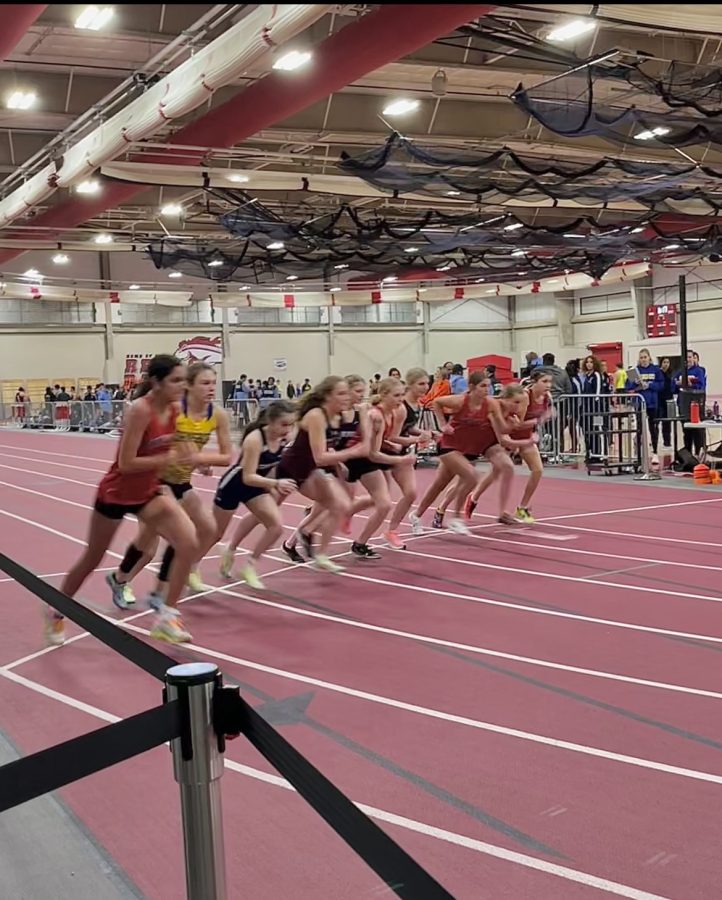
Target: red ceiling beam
<point x="381" y="37"/>
<point x="16" y="20"/>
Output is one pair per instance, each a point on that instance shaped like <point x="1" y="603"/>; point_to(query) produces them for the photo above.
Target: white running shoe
<point x="458" y="526"/>
<point x="54" y="629"/>
<point x="227" y="561"/>
<point x="169" y="627"/>
<point x="251" y="577"/>
<point x="417" y="526"/>
<point x="326" y="565"/>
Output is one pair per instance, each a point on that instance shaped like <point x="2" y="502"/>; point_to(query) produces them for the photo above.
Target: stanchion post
<point x="198" y="766"/>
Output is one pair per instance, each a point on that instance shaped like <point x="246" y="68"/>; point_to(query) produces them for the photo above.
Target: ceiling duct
<point x="383" y="36"/>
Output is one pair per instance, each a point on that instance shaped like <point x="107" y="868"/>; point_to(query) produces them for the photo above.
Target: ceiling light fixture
<point x="341" y="266"/>
<point x="93" y="18"/>
<point x="671" y="247"/>
<point x="335" y="289"/>
<point x="103" y="238"/>
<point x="453" y="193"/>
<point x="651" y="133"/>
<point x="411" y="250"/>
<point x="637" y="230"/>
<point x="388" y="279"/>
<point x="400" y="107"/>
<point x="21" y="100"/>
<point x="292" y="60"/>
<point x="518" y="253"/>
<point x="275" y="245"/>
<point x="244" y="287"/>
<point x="443" y="268"/>
<point x="171" y="209"/>
<point x="514" y="227"/>
<point x="576" y="237"/>
<point x="91" y="186"/>
<point x="32" y="273"/>
<point x="571" y="30"/>
<point x="133" y="287"/>
<point x="175" y="274"/>
<point x="214" y="263"/>
<point x="292" y="278"/>
<point x="239" y="179"/>
<point x="60" y="259"/>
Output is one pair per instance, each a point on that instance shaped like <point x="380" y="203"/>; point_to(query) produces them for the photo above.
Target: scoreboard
<point x="662" y="320"/>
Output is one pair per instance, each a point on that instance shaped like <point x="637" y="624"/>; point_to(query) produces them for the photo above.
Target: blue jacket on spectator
<point x="652" y="382"/>
<point x="697" y="376"/>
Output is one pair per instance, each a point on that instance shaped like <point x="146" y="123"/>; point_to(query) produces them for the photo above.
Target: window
<point x="379" y="314"/>
<point x="140" y="314"/>
<point x="45" y="312"/>
<point x="591" y="306"/>
<point x="302" y="315"/>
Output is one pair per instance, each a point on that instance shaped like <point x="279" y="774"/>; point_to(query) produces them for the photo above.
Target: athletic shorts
<point x="471" y="457"/>
<point x="232" y="491"/>
<point x="178" y="490"/>
<point x="118" y="511"/>
<point x="360" y="466"/>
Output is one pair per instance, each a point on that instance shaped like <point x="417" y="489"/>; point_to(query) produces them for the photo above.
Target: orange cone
<point x="702" y="474"/>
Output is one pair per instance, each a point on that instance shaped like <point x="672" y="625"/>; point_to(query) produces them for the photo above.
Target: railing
<point x="97" y="416"/>
<point x="198" y="714"/>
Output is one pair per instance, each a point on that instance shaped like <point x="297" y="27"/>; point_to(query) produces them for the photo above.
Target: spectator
<point x="374" y="385"/>
<point x="394" y="373"/>
<point x="119" y="393"/>
<point x="56" y="390"/>
<point x="561" y="383"/>
<point x="494" y="385"/>
<point x="62" y="396"/>
<point x="620" y="378"/>
<point x="648" y="385"/>
<point x="73" y="395"/>
<point x="457" y="382"/>
<point x="592" y="389"/>
<point x="439" y="388"/>
<point x="697" y="380"/>
<point x="49" y="395"/>
<point x="665" y="395"/>
<point x="89" y="395"/>
<point x="606" y="377"/>
<point x="532" y="361"/>
<point x="307" y="386"/>
<point x="290" y="390"/>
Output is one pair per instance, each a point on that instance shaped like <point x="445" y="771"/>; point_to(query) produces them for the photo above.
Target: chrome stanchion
<point x="647" y="473"/>
<point x="198" y="766"/>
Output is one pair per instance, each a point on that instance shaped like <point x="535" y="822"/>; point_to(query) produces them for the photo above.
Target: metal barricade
<point x="242" y="412"/>
<point x="606" y="432"/>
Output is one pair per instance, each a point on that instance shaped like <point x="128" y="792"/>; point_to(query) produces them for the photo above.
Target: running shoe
<point x="508" y="519"/>
<point x="54" y="629"/>
<point x="155" y="600"/>
<point x="523" y="514"/>
<point x="458" y="526"/>
<point x="251" y="577"/>
<point x="394" y="541"/>
<point x="363" y="551"/>
<point x="292" y="553"/>
<point x="325" y="564"/>
<point x="307" y="543"/>
<point x="169" y="627"/>
<point x="438" y="520"/>
<point x="195" y="583"/>
<point x="227" y="560"/>
<point x="121" y="594"/>
<point x="469" y="506"/>
<point x="417" y="526"/>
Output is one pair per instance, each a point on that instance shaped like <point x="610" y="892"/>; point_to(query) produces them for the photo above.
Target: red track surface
<point x="422" y="686"/>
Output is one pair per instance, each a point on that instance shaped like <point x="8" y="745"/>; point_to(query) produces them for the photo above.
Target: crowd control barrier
<point x="197" y="715"/>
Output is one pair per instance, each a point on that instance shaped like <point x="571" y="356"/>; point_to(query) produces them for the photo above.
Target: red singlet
<point x="473" y="432"/>
<point x="133" y="489"/>
<point x="535" y="410"/>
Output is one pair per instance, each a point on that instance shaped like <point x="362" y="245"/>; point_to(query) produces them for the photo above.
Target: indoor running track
<point x="531" y="712"/>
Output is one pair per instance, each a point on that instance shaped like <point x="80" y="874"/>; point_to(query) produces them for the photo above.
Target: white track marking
<point x="432" y="831"/>
<point x="626" y="509"/>
<point x="476" y="724"/>
<point x="637" y="535"/>
<point x="575" y="579"/>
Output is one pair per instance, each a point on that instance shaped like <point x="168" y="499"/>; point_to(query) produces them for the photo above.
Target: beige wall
<point x="55" y="355"/>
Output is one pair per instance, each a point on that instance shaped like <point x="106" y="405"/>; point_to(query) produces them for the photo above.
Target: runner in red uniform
<point x="479" y="426"/>
<point x="536" y="409"/>
<point x="132" y="486"/>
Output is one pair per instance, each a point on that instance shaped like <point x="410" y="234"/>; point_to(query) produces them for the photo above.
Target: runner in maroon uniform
<point x="132" y="486"/>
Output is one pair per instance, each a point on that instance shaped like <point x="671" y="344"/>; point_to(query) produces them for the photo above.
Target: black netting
<point x="405" y="166"/>
<point x="678" y="84"/>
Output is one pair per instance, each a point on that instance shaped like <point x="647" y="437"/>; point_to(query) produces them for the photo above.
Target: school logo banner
<point x="201" y="349"/>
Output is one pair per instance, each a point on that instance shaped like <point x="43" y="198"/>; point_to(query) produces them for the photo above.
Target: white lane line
<point x="638" y="535"/>
<point x="470" y="648"/>
<point x="575" y="579"/>
<point x="432" y="831"/>
<point x="476" y="724"/>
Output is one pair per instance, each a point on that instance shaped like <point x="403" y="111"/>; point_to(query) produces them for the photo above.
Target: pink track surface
<point x="531" y="712"/>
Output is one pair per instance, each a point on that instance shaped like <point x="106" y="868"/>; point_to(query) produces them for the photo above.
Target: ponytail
<point x="316" y="397"/>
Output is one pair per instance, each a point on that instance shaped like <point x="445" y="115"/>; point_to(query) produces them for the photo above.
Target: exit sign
<point x="662" y="320"/>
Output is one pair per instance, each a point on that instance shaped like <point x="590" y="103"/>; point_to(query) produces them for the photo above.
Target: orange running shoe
<point x="469" y="506"/>
<point x="394" y="541"/>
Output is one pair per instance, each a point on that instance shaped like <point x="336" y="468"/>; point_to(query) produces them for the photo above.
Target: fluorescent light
<point x="518" y="253"/>
<point x="32" y="273"/>
<point x="103" y="238"/>
<point x="88" y="187"/>
<point x="335" y="289"/>
<point x="133" y="287"/>
<point x="388" y="278"/>
<point x="553" y="281"/>
<point x="292" y="60"/>
<point x="171" y="209"/>
<point x="411" y="250"/>
<point x="60" y="259"/>
<point x="571" y="30"/>
<point x="239" y="179"/>
<point x="341" y="266"/>
<point x="175" y="274"/>
<point x="651" y="133"/>
<point x="292" y="278"/>
<point x="244" y="287"/>
<point x="637" y="230"/>
<point x="577" y="237"/>
<point x="443" y="268"/>
<point x="93" y="18"/>
<point x="421" y="290"/>
<point x="275" y="245"/>
<point x="401" y="106"/>
<point x="514" y="226"/>
<point x="453" y="193"/>
<point x="21" y="100"/>
<point x="214" y="263"/>
<point x="671" y="247"/>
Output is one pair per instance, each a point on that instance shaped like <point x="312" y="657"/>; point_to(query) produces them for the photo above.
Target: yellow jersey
<point x="198" y="431"/>
<point x="620" y="379"/>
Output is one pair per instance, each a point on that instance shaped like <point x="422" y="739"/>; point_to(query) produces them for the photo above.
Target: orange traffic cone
<point x="715" y="476"/>
<point x="702" y="474"/>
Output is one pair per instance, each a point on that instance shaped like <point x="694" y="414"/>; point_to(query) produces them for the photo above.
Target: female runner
<point x="252" y="481"/>
<point x="534" y="411"/>
<point x="197" y="420"/>
<point x="132" y="486"/>
<point x="316" y="448"/>
<point x="479" y="426"/>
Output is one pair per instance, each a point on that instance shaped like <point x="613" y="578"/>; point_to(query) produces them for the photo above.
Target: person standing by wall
<point x="697" y="380"/>
<point x="648" y="386"/>
<point x="665" y="395"/>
